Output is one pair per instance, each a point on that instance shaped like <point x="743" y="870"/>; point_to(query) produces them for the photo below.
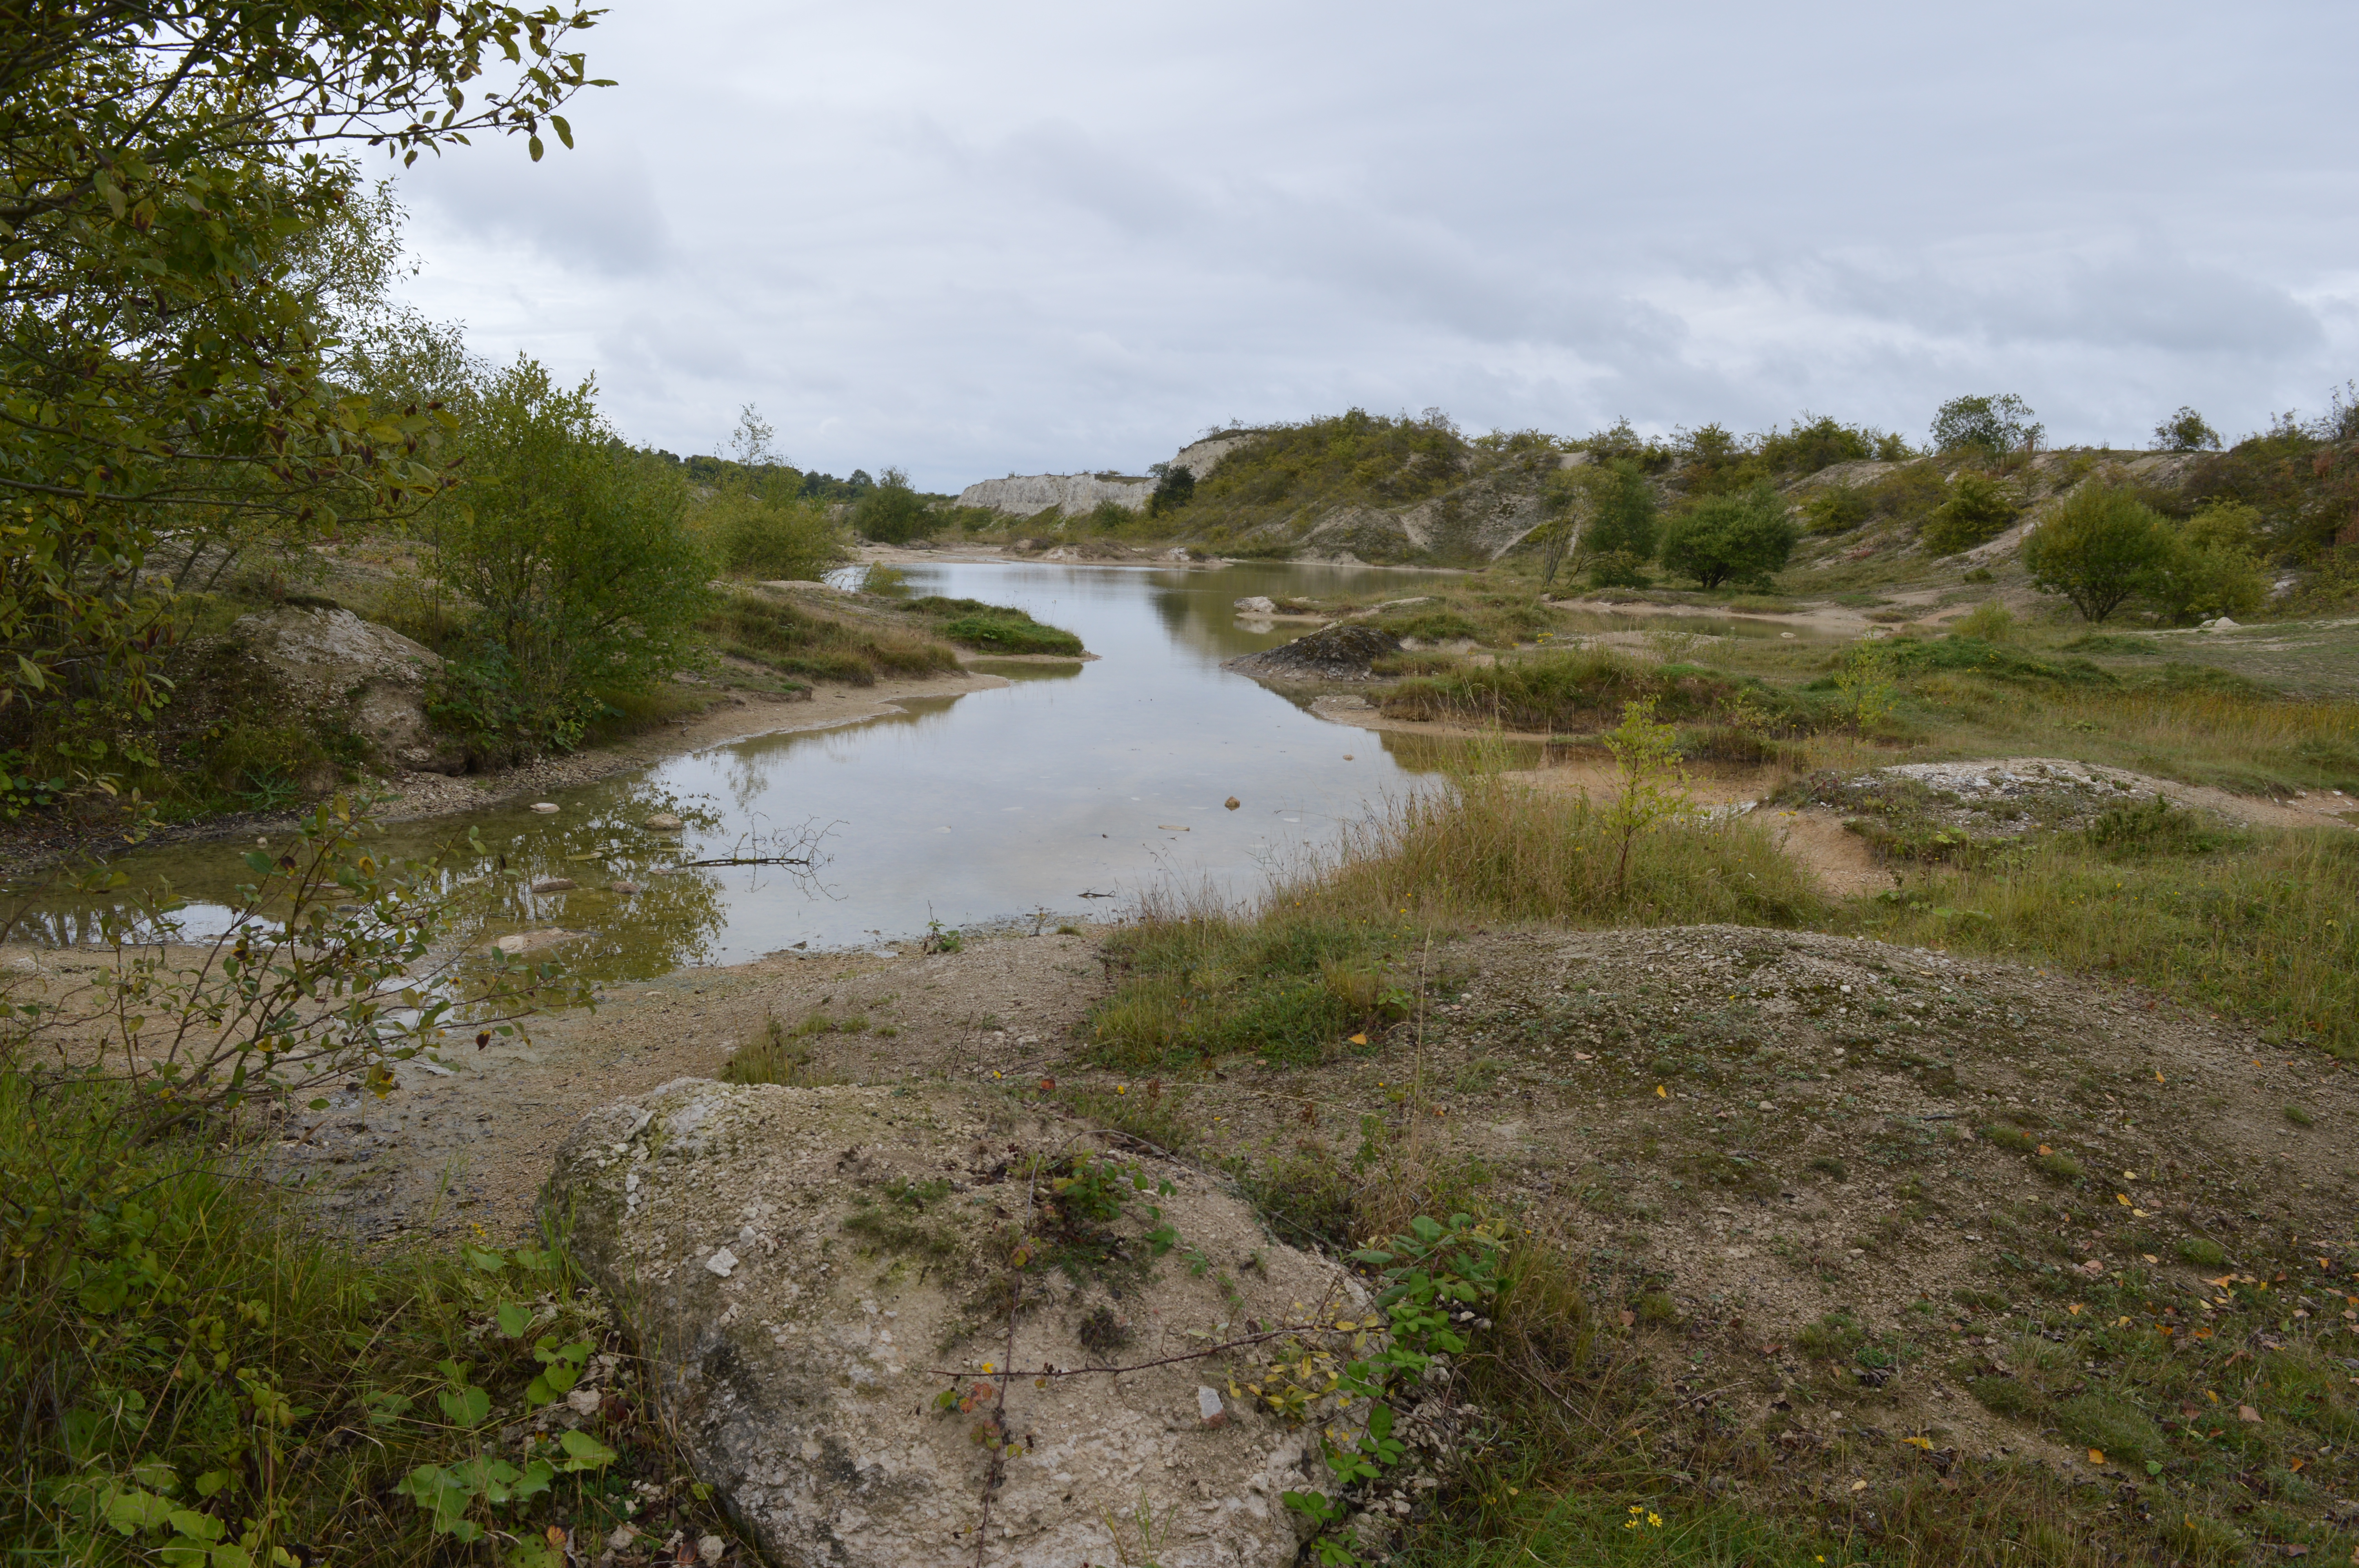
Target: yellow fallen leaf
<point x="2045" y="1150"/>
<point x="2096" y="1456"/>
<point x="1359" y="1039"/>
<point x="2158" y="1078"/>
<point x="1661" y="1093"/>
<point x="1924" y="1442"/>
<point x="2074" y="1309"/>
<point x="2123" y="1199"/>
<point x="2150" y="1257"/>
<point x="1859" y="1485"/>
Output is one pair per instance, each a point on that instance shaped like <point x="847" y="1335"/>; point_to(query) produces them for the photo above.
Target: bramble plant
<point x="1439" y="1277"/>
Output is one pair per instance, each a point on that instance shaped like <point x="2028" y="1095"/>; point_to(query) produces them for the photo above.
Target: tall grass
<point x="1584" y="690"/>
<point x="1330" y="949"/>
<point x="2265" y="931"/>
<point x="1492" y="849"/>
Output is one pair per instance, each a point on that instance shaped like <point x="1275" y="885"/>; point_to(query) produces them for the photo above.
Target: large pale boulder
<point x="332" y="657"/>
<point x="812" y="1268"/>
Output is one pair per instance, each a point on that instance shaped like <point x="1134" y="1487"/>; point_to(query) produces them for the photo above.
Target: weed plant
<point x="189" y="1375"/>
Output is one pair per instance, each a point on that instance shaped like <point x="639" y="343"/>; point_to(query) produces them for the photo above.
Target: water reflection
<point x="996" y="807"/>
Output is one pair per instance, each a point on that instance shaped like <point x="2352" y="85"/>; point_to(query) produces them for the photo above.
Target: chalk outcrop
<point x="1026" y="495"/>
<point x="332" y="657"/>
<point x="812" y="1268"/>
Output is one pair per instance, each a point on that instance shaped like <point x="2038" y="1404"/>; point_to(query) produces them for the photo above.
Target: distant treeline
<point x="780" y="481"/>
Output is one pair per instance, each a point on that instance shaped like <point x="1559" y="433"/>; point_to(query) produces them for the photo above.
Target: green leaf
<point x="464" y="1407"/>
<point x="197" y="1526"/>
<point x="514" y="1319"/>
<point x="564" y="132"/>
<point x="585" y="1451"/>
<point x="134" y="1508"/>
<point x="1380" y="1422"/>
<point x="533" y="144"/>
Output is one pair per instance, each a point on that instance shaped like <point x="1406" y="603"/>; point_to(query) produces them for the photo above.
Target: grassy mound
<point x="794" y="639"/>
<point x="992" y="628"/>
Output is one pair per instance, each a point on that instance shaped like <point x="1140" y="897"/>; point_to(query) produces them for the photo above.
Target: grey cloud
<point x="1032" y="237"/>
<point x="594" y="210"/>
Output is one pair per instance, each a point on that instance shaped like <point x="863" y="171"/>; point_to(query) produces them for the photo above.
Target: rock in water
<point x="1258" y="604"/>
<point x="554" y="885"/>
<point x="335" y="656"/>
<point x="517" y="942"/>
<point x="869" y="1234"/>
<point x="662" y="822"/>
<point x="1332" y="652"/>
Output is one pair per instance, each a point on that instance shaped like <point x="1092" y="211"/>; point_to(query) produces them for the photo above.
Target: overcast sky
<point x="1026" y="237"/>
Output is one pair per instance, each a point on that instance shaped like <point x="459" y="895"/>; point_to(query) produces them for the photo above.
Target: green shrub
<point x="1175" y="487"/>
<point x="1978" y="509"/>
<point x="891" y="513"/>
<point x="1730" y="539"/>
<point x="759" y="537"/>
<point x="1991" y="623"/>
<point x="1622" y="516"/>
<point x="1838" y="509"/>
<point x="2100" y="545"/>
<point x="576" y="549"/>
<point x="2204" y="1252"/>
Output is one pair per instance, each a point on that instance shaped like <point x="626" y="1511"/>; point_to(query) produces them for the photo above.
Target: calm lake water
<point x="1060" y="797"/>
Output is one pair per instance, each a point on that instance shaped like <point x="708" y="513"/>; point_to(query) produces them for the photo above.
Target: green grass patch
<point x="2262" y="931"/>
<point x="795" y="640"/>
<point x="992" y="628"/>
<point x="1577" y="691"/>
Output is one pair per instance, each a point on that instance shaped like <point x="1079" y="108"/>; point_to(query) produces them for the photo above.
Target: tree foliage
<point x="164" y="169"/>
<point x="1743" y="538"/>
<point x="892" y="513"/>
<point x="1175" y="487"/>
<point x="1992" y="426"/>
<point x="574" y="547"/>
<point x="2100" y="545"/>
<point x="2185" y="431"/>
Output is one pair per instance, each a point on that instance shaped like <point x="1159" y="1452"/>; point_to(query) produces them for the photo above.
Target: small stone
<point x="708" y="1548"/>
<point x="1233" y="803"/>
<point x="1208" y="1404"/>
<point x="626" y="889"/>
<point x="584" y="1401"/>
<point x="554" y="885"/>
<point x="723" y="1263"/>
<point x="544" y="806"/>
<point x="663" y="822"/>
